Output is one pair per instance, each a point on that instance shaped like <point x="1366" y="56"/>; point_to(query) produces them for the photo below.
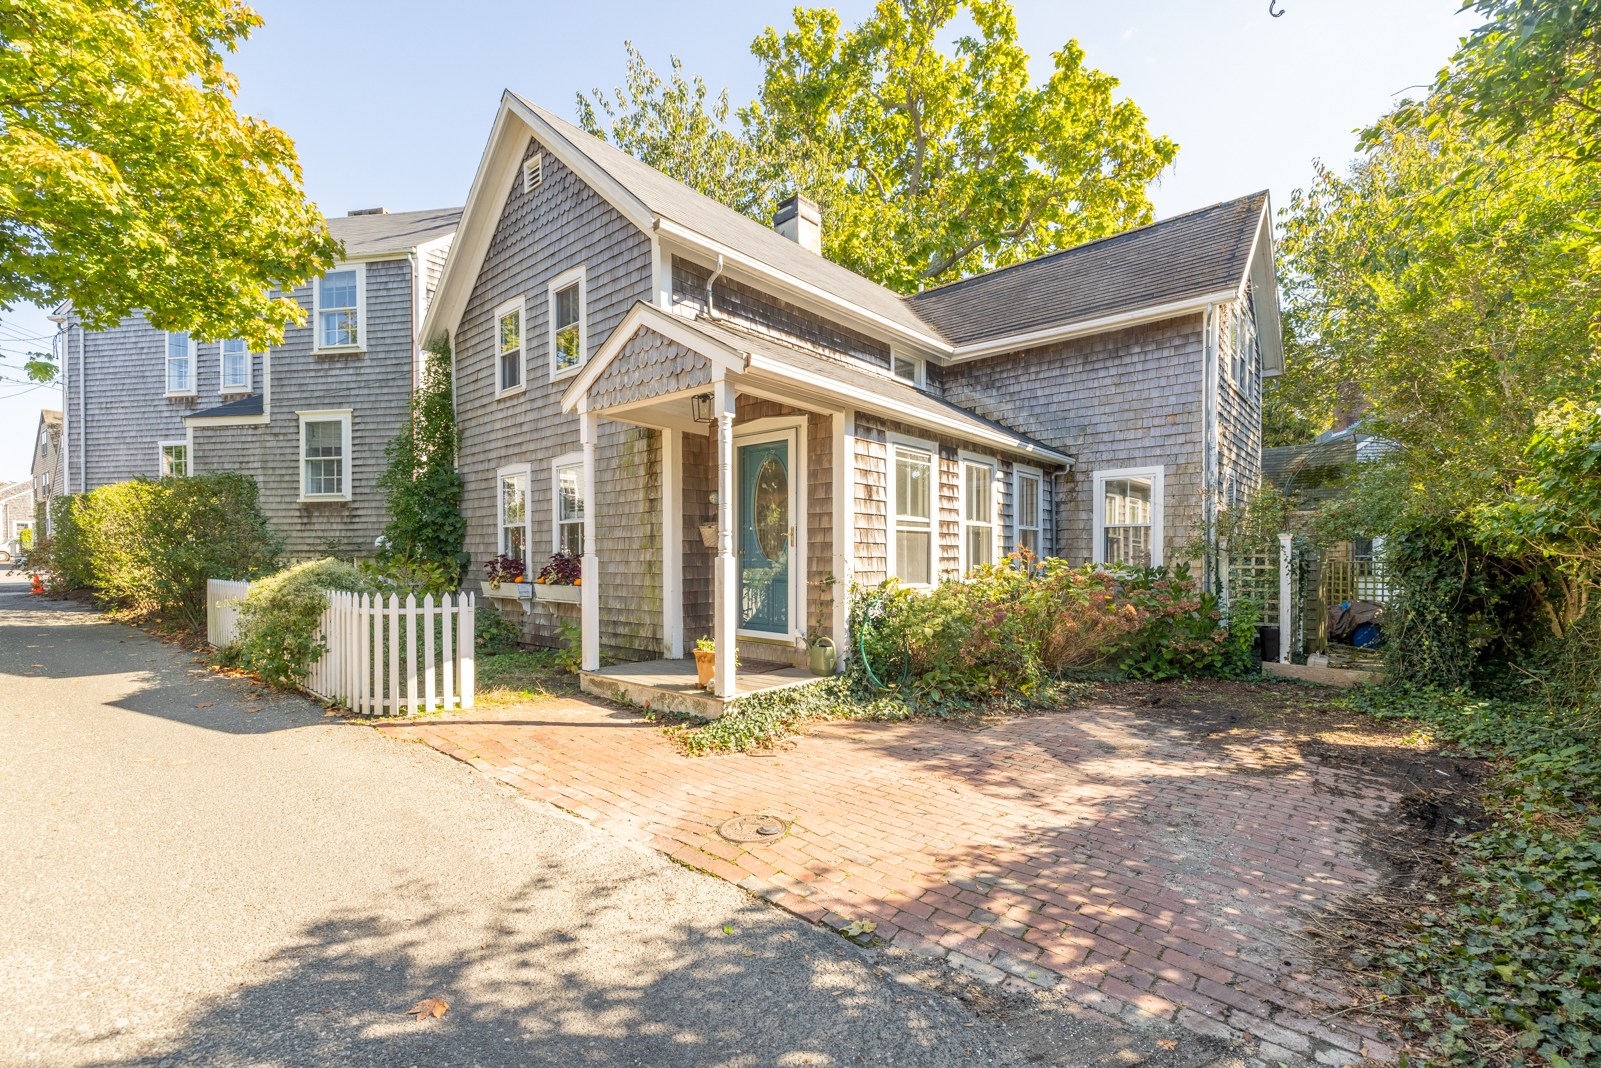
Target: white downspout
<point x="711" y="309"/>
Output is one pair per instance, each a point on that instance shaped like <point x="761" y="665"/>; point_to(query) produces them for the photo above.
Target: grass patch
<point x="1501" y="961"/>
<point x="506" y="678"/>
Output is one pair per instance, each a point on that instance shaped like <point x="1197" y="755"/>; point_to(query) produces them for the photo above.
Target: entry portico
<point x="758" y="438"/>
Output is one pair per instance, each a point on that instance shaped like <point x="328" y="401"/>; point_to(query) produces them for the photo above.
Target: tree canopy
<point x="129" y="182"/>
<point x="927" y="166"/>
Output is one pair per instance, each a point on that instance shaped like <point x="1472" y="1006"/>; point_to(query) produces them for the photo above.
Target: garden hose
<point x="906" y="656"/>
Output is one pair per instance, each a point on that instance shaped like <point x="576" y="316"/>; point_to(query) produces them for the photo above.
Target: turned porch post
<point x="725" y="611"/>
<point x="589" y="594"/>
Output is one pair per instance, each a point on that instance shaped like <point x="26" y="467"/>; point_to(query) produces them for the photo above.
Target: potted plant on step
<point x="705" y="661"/>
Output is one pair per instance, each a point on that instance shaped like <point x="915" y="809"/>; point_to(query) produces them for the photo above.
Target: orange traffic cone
<point x="38" y="587"/>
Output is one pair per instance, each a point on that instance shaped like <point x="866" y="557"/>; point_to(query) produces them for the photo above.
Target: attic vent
<point x="533" y="172"/>
<point x="369" y="211"/>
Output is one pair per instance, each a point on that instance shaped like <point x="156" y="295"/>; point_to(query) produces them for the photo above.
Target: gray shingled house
<point x="719" y="419"/>
<point x="308" y="419"/>
<point x="49" y="468"/>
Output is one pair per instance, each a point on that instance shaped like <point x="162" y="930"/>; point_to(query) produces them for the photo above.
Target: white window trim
<point x="161" y="455"/>
<point x="560" y="282"/>
<point x="326" y="416"/>
<point x="524" y="471"/>
<point x="1099" y="508"/>
<point x="918" y="376"/>
<point x="897" y="441"/>
<point x="223" y="388"/>
<point x="1019" y="473"/>
<point x="994" y="465"/>
<point x="317" y="347"/>
<point x="566" y="459"/>
<point x="520" y="306"/>
<point x="194" y="366"/>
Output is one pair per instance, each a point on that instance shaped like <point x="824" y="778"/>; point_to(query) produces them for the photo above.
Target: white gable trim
<point x="499" y="172"/>
<point x="673" y="327"/>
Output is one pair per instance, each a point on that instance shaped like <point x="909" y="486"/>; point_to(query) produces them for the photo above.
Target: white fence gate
<point x="384" y="656"/>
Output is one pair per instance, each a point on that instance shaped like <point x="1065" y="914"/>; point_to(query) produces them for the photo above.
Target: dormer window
<point x="907" y="369"/>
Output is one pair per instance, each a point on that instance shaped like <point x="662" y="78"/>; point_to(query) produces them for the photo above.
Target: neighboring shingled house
<point x="49" y="470"/>
<point x="16" y="517"/>
<point x="309" y="419"/>
<point x="721" y="419"/>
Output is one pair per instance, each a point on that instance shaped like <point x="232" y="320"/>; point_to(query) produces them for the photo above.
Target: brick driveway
<point x="1145" y="866"/>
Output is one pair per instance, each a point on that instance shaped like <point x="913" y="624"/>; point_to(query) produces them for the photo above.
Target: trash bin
<point x="1367" y="636"/>
<point x="1267" y="642"/>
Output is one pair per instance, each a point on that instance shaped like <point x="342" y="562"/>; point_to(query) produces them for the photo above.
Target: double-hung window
<point x="914" y="527"/>
<point x="567" y="323"/>
<point x="569" y="517"/>
<point x="340" y="296"/>
<point x="174" y="458"/>
<point x="325" y="455"/>
<point x="235" y="366"/>
<point x="514" y="513"/>
<point x="1128" y="516"/>
<point x="978" y="515"/>
<point x="1026" y="487"/>
<point x="180" y="364"/>
<point x="509" y="346"/>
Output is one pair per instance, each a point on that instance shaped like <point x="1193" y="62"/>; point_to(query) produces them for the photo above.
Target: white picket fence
<point x="384" y="657"/>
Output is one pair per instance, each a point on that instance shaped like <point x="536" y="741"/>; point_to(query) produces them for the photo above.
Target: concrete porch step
<point x="673" y="686"/>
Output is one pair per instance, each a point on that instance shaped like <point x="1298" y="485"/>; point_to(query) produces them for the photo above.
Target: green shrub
<point x="762" y="719"/>
<point x="278" y="618"/>
<point x="1008" y="628"/>
<point x="493" y="633"/>
<point x="151" y="544"/>
<point x="1181" y="631"/>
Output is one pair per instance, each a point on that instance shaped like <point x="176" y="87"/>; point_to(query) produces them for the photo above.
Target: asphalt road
<point x="197" y="873"/>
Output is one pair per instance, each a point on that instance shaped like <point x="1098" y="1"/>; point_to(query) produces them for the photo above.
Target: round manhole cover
<point x="753" y="829"/>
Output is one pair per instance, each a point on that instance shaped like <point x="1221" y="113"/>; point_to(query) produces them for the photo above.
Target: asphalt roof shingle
<point x="1189" y="255"/>
<point x="366" y="234"/>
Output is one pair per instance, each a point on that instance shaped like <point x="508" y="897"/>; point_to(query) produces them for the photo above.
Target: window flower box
<point x="545" y="591"/>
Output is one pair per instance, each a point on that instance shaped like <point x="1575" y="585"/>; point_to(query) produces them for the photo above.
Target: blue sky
<point x="390" y="104"/>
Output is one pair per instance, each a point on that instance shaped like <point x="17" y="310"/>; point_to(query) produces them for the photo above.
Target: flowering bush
<point x="1007" y="629"/>
<point x="504" y="568"/>
<point x="565" y="569"/>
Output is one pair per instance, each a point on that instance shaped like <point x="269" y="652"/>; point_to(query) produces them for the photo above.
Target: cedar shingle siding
<point x="119" y="375"/>
<point x="559" y="225"/>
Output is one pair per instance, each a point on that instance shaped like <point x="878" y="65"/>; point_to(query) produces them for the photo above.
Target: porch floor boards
<point x="674" y="685"/>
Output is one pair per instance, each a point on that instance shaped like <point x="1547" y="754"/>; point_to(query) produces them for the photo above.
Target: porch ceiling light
<point x="700" y="408"/>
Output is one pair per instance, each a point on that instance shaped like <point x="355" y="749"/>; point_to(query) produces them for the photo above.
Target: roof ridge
<point x="1086" y="244"/>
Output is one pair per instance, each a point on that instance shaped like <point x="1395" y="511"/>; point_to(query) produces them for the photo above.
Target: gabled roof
<point x="1198" y="254"/>
<point x="366" y="235"/>
<point x="671" y="199"/>
<point x="1169" y="268"/>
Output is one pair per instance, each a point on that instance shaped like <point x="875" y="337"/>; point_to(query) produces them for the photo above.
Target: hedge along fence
<point x="377" y="654"/>
<point x="153" y="543"/>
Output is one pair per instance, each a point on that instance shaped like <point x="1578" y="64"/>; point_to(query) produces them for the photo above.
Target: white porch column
<point x="1286" y="607"/>
<point x="725" y="609"/>
<point x="589" y="596"/>
<point x="844" y="534"/>
<point x="672" y="544"/>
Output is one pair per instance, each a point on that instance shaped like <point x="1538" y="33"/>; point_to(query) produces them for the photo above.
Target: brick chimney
<point x="799" y="220"/>
<point x="369" y="211"/>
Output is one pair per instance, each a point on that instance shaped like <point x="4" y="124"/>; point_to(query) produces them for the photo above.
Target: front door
<point x="765" y="537"/>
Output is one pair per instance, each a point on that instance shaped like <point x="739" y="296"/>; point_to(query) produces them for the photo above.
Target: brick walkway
<point x="1130" y="861"/>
